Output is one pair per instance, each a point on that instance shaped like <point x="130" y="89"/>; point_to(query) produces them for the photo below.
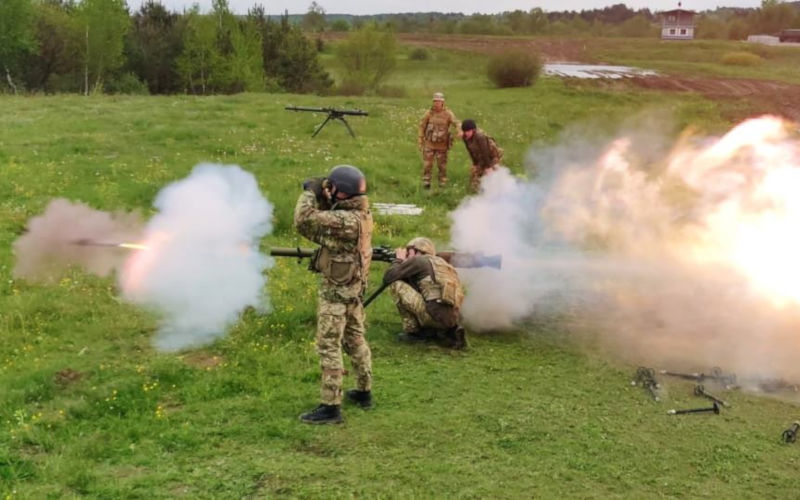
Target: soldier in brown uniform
<point x="483" y="150"/>
<point x="435" y="139"/>
<point x="334" y="212"/>
<point x="428" y="295"/>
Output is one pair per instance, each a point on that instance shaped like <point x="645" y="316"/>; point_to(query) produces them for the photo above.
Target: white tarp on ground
<point x="576" y="70"/>
<point x="770" y="40"/>
<point x="397" y="209"/>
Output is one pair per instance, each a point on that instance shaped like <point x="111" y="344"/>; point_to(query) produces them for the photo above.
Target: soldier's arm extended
<point x="334" y="229"/>
<point x="455" y="123"/>
<point x="407" y="270"/>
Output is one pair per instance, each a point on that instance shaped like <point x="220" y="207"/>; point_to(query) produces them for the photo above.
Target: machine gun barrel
<point x="354" y="112"/>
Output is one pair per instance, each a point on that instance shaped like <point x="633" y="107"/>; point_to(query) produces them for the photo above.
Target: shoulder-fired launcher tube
<point x="461" y="260"/>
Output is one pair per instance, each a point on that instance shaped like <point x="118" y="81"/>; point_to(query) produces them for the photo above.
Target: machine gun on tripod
<point x="333" y="114"/>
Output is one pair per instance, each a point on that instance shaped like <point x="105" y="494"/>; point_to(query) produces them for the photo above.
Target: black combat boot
<point x="411" y="337"/>
<point x="455" y="338"/>
<point x="361" y="398"/>
<point x="323" y="414"/>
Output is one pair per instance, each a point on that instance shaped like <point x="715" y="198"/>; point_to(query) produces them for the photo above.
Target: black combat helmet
<point x="348" y="179"/>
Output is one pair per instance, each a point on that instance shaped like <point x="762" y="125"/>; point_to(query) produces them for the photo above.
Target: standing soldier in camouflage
<point x="428" y="295"/>
<point x="483" y="150"/>
<point x="334" y="212"/>
<point x="435" y="139"/>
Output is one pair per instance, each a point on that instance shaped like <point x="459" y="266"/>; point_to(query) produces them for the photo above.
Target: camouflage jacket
<point x="344" y="234"/>
<point x="434" y="129"/>
<point x="483" y="150"/>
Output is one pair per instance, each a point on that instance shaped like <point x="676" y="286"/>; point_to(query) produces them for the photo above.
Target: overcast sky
<point x="464" y="6"/>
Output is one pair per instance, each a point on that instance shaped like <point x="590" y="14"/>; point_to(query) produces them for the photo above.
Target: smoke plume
<point x="198" y="264"/>
<point x="53" y="241"/>
<point x="687" y="257"/>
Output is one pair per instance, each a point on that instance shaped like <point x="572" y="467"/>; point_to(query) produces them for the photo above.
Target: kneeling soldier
<point x="428" y="295"/>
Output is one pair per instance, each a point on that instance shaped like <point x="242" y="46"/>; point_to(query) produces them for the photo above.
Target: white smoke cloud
<point x="677" y="258"/>
<point x="203" y="265"/>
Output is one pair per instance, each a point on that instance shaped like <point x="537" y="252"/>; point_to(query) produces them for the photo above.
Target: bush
<point x="740" y="59"/>
<point x="350" y="87"/>
<point x="514" y="69"/>
<point x="367" y="56"/>
<point x="127" y="83"/>
<point x="419" y="54"/>
<point x="392" y="91"/>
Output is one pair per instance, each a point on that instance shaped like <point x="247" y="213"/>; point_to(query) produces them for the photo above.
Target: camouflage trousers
<point x="476" y="173"/>
<point x="411" y="307"/>
<point x="428" y="156"/>
<point x="341" y="325"/>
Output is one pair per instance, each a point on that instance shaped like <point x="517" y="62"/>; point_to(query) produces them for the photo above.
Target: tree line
<point x="93" y="46"/>
<point x="611" y="21"/>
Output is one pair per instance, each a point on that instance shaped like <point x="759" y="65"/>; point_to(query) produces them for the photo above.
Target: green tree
<point x="153" y="47"/>
<point x="637" y="26"/>
<point x="367" y="56"/>
<point x="59" y="45"/>
<point x="289" y="58"/>
<point x="200" y="56"/>
<point x="340" y="25"/>
<point x="104" y="23"/>
<point x="16" y="35"/>
<point x="245" y="69"/>
<point x="314" y="18"/>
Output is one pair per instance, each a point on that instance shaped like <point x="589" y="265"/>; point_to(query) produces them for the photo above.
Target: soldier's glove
<point x="317" y="185"/>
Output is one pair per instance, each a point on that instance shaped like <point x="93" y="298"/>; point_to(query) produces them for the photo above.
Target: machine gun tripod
<point x="333" y="114"/>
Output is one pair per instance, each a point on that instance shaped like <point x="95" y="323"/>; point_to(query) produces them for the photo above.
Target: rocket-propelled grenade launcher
<point x="382" y="254"/>
<point x="386" y="254"/>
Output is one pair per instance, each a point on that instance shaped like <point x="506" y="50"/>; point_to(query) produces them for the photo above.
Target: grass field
<point x="88" y="408"/>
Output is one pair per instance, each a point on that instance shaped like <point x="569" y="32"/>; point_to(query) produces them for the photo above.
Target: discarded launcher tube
<point x="790" y="434"/>
<point x="699" y="390"/>
<point x="713" y="409"/>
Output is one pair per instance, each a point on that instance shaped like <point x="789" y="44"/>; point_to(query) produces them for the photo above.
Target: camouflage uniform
<point x="434" y="141"/>
<point x="427" y="292"/>
<point x="345" y="236"/>
<point x="485" y="156"/>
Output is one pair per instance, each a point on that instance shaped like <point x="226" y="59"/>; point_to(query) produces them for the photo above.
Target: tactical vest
<point x="443" y="286"/>
<point x="437" y="130"/>
<point x="349" y="270"/>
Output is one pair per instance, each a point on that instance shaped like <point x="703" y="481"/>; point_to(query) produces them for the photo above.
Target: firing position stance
<point x="428" y="295"/>
<point x="483" y="151"/>
<point x="334" y="212"/>
<point x="435" y="140"/>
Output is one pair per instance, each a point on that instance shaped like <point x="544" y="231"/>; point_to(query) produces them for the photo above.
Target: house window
<point x="672" y="31"/>
<point x="683" y="31"/>
<point x="671" y="18"/>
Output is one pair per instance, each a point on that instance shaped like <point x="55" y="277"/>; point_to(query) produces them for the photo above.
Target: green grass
<point x="698" y="57"/>
<point x="528" y="413"/>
